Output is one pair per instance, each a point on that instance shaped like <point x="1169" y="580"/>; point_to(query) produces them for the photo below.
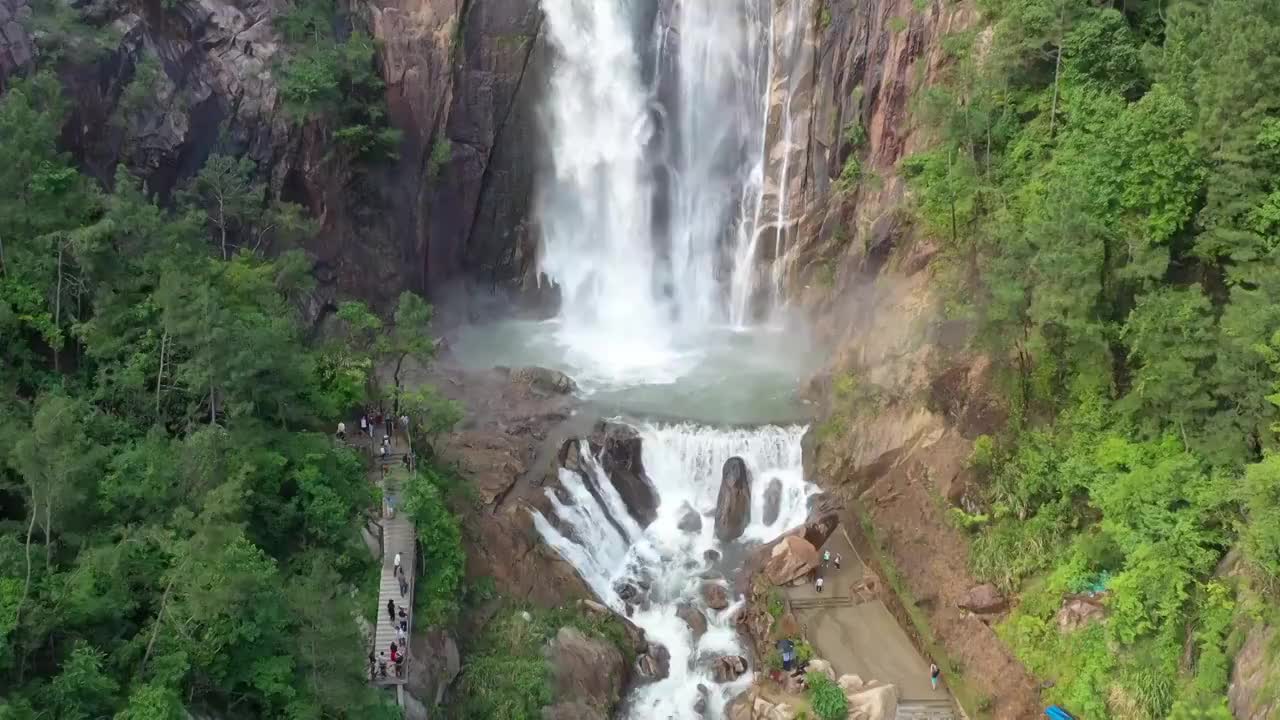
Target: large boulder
<point x="878" y="702"/>
<point x="619" y="449"/>
<point x="696" y="621"/>
<point x="435" y="665"/>
<point x="728" y="668"/>
<point x="824" y="518"/>
<point x="716" y="596"/>
<point x="791" y="558"/>
<point x="585" y="669"/>
<point x="772" y="501"/>
<point x="984" y="599"/>
<point x="655" y="664"/>
<point x="733" y="503"/>
<point x="544" y="380"/>
<point x="818" y="665"/>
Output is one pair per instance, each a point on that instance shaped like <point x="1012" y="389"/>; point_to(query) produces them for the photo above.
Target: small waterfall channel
<point x="611" y="551"/>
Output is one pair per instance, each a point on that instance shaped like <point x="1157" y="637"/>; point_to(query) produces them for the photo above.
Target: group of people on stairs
<point x="399" y="648"/>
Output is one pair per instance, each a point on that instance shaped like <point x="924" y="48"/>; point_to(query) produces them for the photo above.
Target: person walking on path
<point x="391" y="425"/>
<point x="382" y="665"/>
<point x="404" y="585"/>
<point x="934" y="674"/>
<point x="400" y="635"/>
<point x="837" y="560"/>
<point x="404" y="620"/>
<point x="396" y="565"/>
<point x="342" y="430"/>
<point x="826" y="557"/>
<point x="391" y="611"/>
<point x="364" y="425"/>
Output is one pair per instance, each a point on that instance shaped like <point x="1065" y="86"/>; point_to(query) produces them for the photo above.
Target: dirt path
<point x="855" y="632"/>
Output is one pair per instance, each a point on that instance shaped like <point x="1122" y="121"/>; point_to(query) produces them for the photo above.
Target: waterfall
<point x="684" y="463"/>
<point x="652" y="213"/>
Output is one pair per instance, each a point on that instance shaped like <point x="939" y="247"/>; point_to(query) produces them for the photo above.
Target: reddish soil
<point x="931" y="558"/>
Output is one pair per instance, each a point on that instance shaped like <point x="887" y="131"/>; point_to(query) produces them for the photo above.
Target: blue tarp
<point x="1056" y="713"/>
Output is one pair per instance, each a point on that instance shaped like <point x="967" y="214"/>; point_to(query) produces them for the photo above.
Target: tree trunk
<point x="164" y="340"/>
<point x="26" y="585"/>
<point x="57" y="307"/>
<point x="155" y="632"/>
<point x="1057" y="73"/>
<point x="3" y="270"/>
<point x="48" y="534"/>
<point x="222" y="225"/>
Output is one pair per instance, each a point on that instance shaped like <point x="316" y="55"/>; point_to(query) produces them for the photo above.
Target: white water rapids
<point x="606" y="547"/>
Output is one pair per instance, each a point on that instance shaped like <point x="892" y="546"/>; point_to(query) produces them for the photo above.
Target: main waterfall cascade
<point x="664" y="222"/>
<point x="662" y="201"/>
<point x="607" y="547"/>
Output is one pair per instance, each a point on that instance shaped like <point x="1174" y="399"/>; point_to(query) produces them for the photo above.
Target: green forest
<point x="180" y="529"/>
<point x="1105" y="185"/>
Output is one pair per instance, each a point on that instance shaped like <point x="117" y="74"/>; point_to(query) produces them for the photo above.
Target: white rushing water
<point x="606" y="546"/>
<point x="652" y="216"/>
<point x="661" y="205"/>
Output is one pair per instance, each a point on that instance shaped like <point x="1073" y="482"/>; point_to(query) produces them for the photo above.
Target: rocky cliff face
<point x="458" y="84"/>
<point x="850" y="257"/>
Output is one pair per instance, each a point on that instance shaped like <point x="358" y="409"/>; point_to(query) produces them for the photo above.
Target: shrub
<point x="826" y="698"/>
<point x="777" y="605"/>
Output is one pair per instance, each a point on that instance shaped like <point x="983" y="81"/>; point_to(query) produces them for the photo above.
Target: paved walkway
<point x="398" y="536"/>
<point x="855" y="632"/>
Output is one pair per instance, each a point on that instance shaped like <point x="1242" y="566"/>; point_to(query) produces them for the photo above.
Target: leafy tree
<point x="440" y="543"/>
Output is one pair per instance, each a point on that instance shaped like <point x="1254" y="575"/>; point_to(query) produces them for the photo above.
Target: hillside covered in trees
<point x="1105" y="182"/>
<point x="180" y="528"/>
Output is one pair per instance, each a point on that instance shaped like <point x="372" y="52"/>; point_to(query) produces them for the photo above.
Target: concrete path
<point x="855" y="632"/>
<point x="398" y="536"/>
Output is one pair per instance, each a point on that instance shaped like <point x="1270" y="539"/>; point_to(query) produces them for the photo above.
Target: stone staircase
<point x="397" y="536"/>
<point x="820" y="602"/>
<point x="925" y="710"/>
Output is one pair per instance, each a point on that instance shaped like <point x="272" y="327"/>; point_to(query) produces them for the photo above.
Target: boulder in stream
<point x="728" y="668"/>
<point x="691" y="521"/>
<point x="716" y="596"/>
<point x="772" y="501"/>
<point x="733" y="504"/>
<point x="694" y="618"/>
<point x="654" y="664"/>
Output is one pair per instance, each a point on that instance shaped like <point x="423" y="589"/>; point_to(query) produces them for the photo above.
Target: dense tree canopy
<point x="178" y="527"/>
<point x="1106" y="183"/>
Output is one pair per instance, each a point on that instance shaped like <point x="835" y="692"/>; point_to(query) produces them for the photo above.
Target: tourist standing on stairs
<point x="934" y="674"/>
<point x="391" y="612"/>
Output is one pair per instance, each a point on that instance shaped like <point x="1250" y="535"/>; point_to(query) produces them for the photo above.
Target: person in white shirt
<point x="397" y="564"/>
